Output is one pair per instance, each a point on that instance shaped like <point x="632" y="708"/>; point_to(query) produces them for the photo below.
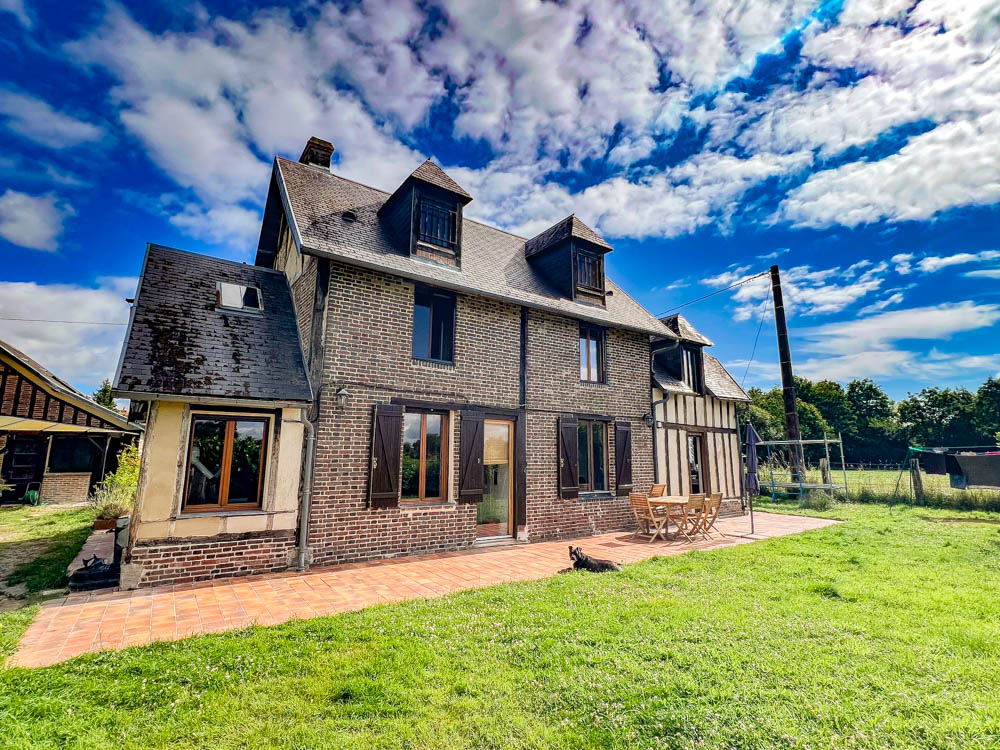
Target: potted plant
<point x="115" y="495"/>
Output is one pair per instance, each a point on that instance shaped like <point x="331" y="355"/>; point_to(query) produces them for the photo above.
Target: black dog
<point x="583" y="561"/>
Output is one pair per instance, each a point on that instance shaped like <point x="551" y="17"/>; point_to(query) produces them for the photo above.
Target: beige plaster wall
<point x="163" y="468"/>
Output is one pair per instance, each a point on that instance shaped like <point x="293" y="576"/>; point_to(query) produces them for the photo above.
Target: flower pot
<point x="102" y="524"/>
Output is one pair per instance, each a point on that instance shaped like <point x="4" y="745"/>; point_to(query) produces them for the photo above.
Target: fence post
<point x="824" y="470"/>
<point x="917" y="481"/>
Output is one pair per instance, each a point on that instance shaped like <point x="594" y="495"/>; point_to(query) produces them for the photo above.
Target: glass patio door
<point x="494" y="513"/>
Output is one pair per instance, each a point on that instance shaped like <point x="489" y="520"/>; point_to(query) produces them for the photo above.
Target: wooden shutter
<point x="623" y="458"/>
<point x="387" y="444"/>
<point x="470" y="466"/>
<point x="569" y="459"/>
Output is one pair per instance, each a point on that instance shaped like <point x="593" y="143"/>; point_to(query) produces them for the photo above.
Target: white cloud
<point x="36" y="120"/>
<point x="984" y="273"/>
<point x="934" y="263"/>
<point x="19" y="10"/>
<point x="234" y="226"/>
<point x="33" y="221"/>
<point x="870" y="346"/>
<point x="902" y="263"/>
<point x="81" y="354"/>
<point x="893" y="299"/>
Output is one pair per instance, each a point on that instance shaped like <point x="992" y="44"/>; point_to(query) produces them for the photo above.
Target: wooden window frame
<point x="589" y="484"/>
<point x="586" y="333"/>
<point x="417" y="290"/>
<point x="699" y="437"/>
<point x="227" y="458"/>
<point x="449" y="215"/>
<point x="581" y="257"/>
<point x="696" y="382"/>
<point x="422" y="467"/>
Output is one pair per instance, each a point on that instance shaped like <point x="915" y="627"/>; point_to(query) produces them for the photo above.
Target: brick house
<point x="467" y="386"/>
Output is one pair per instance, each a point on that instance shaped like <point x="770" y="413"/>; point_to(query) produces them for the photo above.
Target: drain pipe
<point x="305" y="501"/>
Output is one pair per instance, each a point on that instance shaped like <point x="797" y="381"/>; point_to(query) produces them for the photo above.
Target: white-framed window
<point x="238" y="297"/>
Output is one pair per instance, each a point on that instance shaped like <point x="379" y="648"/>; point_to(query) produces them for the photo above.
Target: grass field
<point x="37" y="543"/>
<point x="883" y="631"/>
<point x="886" y="485"/>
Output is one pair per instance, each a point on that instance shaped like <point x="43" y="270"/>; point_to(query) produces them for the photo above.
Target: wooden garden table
<point x="667" y="502"/>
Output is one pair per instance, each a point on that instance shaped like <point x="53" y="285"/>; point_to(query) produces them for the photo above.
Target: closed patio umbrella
<point x="752" y="480"/>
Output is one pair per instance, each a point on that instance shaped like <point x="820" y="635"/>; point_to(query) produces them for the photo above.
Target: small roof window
<point x="238" y="297"/>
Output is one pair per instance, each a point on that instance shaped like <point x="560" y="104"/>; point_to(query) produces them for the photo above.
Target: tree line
<point x="874" y="427"/>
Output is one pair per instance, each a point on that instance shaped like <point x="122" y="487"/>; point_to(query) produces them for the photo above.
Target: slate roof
<point x="683" y="328"/>
<point x="667" y="382"/>
<point x="493" y="261"/>
<point x="432" y="173"/>
<point x="568" y="227"/>
<point x="179" y="344"/>
<point x="720" y="383"/>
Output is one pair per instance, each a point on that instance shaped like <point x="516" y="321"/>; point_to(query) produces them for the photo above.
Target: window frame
<point x="602" y="373"/>
<point x="421" y="499"/>
<point x="433" y="292"/>
<point x="691" y="364"/>
<point x="588" y="486"/>
<point x="452" y="221"/>
<point x="699" y="440"/>
<point x="227" y="454"/>
<point x="597" y="261"/>
<point x="242" y="308"/>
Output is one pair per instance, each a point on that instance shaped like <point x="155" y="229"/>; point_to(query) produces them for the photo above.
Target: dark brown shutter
<point x="623" y="458"/>
<point x="569" y="459"/>
<point x="470" y="465"/>
<point x="387" y="437"/>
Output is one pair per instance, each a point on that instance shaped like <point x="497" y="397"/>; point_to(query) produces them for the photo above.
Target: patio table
<point x="667" y="502"/>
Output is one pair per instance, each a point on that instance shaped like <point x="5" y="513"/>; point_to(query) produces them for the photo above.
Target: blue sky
<point x="853" y="143"/>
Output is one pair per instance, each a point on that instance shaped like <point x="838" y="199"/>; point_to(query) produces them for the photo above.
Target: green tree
<point x="986" y="418"/>
<point x="939" y="417"/>
<point x="875" y="436"/>
<point x="831" y="400"/>
<point x="103" y="395"/>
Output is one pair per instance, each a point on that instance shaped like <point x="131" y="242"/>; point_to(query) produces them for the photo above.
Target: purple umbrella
<point x="750" y="440"/>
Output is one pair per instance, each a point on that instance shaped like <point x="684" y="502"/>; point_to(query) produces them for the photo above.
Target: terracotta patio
<point x="91" y="622"/>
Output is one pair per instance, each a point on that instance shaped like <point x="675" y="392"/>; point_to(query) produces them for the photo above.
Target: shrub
<point x="816" y="501"/>
<point x="115" y="495"/>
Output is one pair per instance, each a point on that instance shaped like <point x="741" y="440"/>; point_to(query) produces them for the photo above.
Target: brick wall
<point x="554" y="387"/>
<point x="204" y="559"/>
<point x="368" y="348"/>
<point x="65" y="488"/>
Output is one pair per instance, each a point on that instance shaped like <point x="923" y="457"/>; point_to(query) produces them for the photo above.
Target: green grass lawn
<point x="883" y="631"/>
<point x="37" y="543"/>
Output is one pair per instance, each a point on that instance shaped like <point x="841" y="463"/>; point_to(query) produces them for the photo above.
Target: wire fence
<point x="882" y="483"/>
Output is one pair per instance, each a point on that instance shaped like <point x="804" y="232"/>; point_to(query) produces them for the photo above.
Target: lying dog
<point x="583" y="561"/>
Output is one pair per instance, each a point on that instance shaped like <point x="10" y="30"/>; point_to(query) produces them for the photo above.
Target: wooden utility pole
<point x="787" y="381"/>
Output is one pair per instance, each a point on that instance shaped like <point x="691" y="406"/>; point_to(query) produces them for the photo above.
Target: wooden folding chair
<point x="648" y="520"/>
<point x="658" y="490"/>
<point x="693" y="514"/>
<point x="712" y="507"/>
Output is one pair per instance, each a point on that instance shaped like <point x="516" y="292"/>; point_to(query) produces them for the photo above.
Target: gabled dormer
<point x="570" y="255"/>
<point x="423" y="217"/>
<point x="685" y="360"/>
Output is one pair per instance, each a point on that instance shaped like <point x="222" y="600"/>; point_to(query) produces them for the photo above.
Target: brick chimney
<point x="317" y="153"/>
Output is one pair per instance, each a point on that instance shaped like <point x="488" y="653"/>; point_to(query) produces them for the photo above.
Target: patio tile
<point x="116" y="620"/>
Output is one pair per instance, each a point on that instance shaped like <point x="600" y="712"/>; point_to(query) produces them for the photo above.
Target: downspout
<point x="305" y="501"/>
<point x="653" y="351"/>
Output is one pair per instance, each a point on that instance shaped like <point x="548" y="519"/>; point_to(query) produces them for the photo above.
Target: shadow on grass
<point x="44" y="560"/>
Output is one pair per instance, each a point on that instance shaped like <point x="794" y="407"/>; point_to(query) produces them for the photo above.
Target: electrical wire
<point x="763" y="314"/>
<point x="741" y="282"/>
<point x="78" y="322"/>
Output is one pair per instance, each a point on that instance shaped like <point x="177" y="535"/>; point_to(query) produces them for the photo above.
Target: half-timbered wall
<point x="22" y="397"/>
<point x="715" y="421"/>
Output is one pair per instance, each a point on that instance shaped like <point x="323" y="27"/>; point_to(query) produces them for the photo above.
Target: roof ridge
<point x="168" y="248"/>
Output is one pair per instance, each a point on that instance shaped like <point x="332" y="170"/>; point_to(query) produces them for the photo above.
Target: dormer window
<point x="691" y="368"/>
<point x="437" y="224"/>
<point x="237" y="297"/>
<point x="589" y="272"/>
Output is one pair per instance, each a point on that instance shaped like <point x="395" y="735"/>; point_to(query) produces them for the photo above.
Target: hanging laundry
<point x="933" y="462"/>
<point x="981" y="471"/>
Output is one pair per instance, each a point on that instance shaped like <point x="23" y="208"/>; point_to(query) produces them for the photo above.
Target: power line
<point x="78" y="322"/>
<point x="741" y="282"/>
<point x="763" y="314"/>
